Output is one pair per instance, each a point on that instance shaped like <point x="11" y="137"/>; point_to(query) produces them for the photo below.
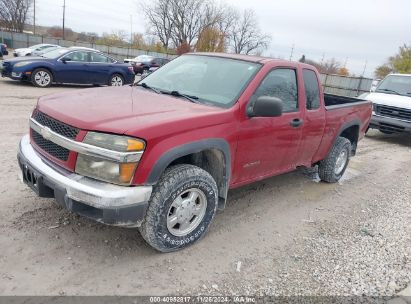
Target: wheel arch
<point x="48" y="68"/>
<point x="351" y="131"/>
<point x="212" y="155"/>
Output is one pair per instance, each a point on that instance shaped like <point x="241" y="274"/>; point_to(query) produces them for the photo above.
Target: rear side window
<point x="78" y="56"/>
<point x="95" y="57"/>
<point x="280" y="83"/>
<point x="312" y="92"/>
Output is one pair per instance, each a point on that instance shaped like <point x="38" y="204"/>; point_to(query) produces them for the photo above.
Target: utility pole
<point x="64" y="17"/>
<point x="365" y="67"/>
<point x="34" y="17"/>
<point x="131" y="29"/>
<point x="292" y="52"/>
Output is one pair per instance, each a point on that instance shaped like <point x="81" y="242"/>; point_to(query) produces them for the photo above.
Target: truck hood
<point x="392" y="100"/>
<point x="128" y="110"/>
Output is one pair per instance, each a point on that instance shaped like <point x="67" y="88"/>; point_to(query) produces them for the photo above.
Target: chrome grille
<point x="393" y="112"/>
<point x="55" y="125"/>
<point x="50" y="147"/>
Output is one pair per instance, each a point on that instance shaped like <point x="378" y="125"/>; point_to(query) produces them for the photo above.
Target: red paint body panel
<point x="259" y="147"/>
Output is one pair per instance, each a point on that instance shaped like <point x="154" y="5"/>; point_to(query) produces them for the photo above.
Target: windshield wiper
<point x="191" y="98"/>
<point x="146" y="86"/>
<point x="388" y="90"/>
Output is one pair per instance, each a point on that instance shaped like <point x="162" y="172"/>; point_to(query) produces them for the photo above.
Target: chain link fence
<point x="345" y="85"/>
<point x="23" y="40"/>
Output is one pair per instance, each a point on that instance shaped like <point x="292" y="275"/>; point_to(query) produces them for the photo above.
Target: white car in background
<point x="83" y="48"/>
<point x="391" y="104"/>
<point x="33" y="50"/>
<point x="141" y="58"/>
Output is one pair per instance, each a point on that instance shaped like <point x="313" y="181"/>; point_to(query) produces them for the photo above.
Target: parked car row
<point x="73" y="65"/>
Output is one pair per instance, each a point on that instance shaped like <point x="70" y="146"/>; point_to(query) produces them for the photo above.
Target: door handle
<point x="295" y="123"/>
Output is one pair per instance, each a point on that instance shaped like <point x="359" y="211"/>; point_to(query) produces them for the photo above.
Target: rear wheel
<point x="42" y="78"/>
<point x="181" y="208"/>
<point x="116" y="80"/>
<point x="332" y="168"/>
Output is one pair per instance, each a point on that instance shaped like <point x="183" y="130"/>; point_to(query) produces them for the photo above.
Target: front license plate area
<point x="35" y="182"/>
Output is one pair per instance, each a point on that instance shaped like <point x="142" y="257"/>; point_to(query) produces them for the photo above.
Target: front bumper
<point x="100" y="201"/>
<point x="389" y="124"/>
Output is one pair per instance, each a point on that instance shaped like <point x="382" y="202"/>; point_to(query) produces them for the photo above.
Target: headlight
<point x="114" y="142"/>
<point x="20" y="64"/>
<point x="105" y="170"/>
<point x="112" y="172"/>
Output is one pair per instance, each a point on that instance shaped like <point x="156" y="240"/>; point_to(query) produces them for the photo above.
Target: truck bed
<point x="336" y="101"/>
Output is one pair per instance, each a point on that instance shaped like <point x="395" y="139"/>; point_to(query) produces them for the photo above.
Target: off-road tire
<point x="41" y="70"/>
<point x="174" y="182"/>
<point x="327" y="167"/>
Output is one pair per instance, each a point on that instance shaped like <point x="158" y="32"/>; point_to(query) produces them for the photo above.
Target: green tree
<point x="402" y="61"/>
<point x="382" y="71"/>
<point x="399" y="63"/>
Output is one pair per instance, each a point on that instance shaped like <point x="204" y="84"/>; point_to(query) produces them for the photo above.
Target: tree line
<point x="204" y="25"/>
<point x="179" y="26"/>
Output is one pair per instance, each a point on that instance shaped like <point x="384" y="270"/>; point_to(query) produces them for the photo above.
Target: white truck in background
<point x="391" y="104"/>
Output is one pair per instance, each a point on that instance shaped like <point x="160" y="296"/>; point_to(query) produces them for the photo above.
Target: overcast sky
<point x="352" y="30"/>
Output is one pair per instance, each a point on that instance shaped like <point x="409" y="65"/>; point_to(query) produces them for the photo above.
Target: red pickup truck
<point x="162" y="154"/>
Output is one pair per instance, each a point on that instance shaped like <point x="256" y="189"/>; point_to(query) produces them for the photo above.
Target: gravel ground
<point x="287" y="235"/>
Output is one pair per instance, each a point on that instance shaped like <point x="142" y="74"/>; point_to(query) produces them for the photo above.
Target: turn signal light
<point x="135" y="145"/>
<point x="127" y="172"/>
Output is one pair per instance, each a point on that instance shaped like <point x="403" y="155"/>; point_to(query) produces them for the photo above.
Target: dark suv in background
<point x="3" y="50"/>
<point x="153" y="62"/>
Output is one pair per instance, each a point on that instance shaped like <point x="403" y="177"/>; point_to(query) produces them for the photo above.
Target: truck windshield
<point x="211" y="80"/>
<point x="396" y="84"/>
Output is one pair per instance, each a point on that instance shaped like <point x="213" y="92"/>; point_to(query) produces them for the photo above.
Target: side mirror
<point x="64" y="60"/>
<point x="266" y="106"/>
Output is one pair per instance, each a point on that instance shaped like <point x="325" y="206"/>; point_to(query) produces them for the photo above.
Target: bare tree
<point x="190" y="17"/>
<point x="175" y="22"/>
<point x="159" y="18"/>
<point x="14" y="14"/>
<point x="246" y="36"/>
<point x="331" y="66"/>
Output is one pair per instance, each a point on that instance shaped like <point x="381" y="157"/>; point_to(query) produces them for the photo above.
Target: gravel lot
<point x="286" y="235"/>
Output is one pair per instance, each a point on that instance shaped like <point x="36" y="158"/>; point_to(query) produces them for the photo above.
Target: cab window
<point x="280" y="83"/>
<point x="312" y="91"/>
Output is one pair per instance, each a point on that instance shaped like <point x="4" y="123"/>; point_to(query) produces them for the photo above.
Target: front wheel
<point x="41" y="78"/>
<point x="332" y="168"/>
<point x="116" y="80"/>
<point x="181" y="208"/>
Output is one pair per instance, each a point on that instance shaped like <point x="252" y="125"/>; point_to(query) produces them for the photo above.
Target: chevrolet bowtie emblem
<point x="46" y="132"/>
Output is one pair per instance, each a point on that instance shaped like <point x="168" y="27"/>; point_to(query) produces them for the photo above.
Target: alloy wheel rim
<point x="116" y="81"/>
<point x="42" y="78"/>
<point x="186" y="212"/>
<point x="341" y="162"/>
